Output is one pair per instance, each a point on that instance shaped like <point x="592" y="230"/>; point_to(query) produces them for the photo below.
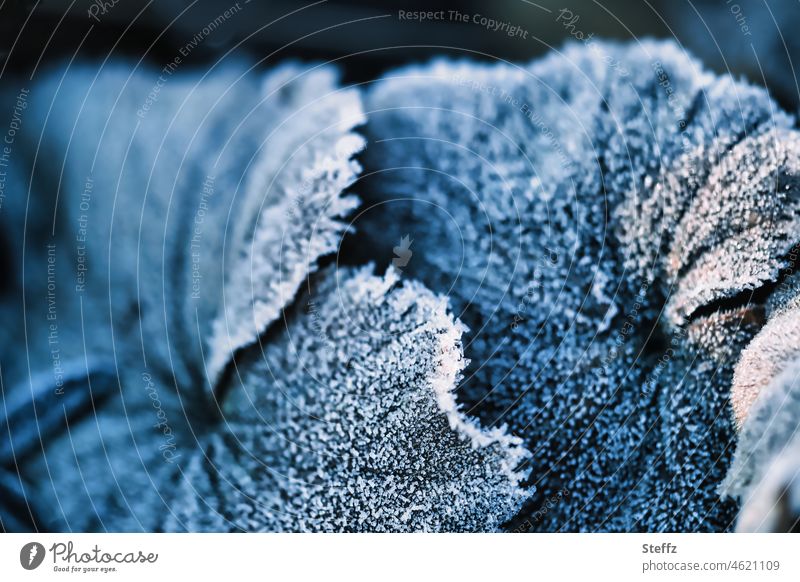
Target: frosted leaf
<point x="182" y="182"/>
<point x="772" y="350"/>
<point x="740" y="225"/>
<point x="765" y="397"/>
<point x="610" y="222"/>
<point x="564" y="206"/>
<point x="136" y="148"/>
<point x="765" y="474"/>
<point x="164" y="179"/>
<point x="292" y="207"/>
<point x="347" y="422"/>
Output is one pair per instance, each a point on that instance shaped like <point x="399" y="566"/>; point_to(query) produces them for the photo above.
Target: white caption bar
<point x="378" y="557"/>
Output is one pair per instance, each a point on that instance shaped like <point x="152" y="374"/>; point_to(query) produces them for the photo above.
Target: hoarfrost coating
<point x="596" y="297"/>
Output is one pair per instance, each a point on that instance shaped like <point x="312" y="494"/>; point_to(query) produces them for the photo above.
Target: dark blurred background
<point x="754" y="38"/>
